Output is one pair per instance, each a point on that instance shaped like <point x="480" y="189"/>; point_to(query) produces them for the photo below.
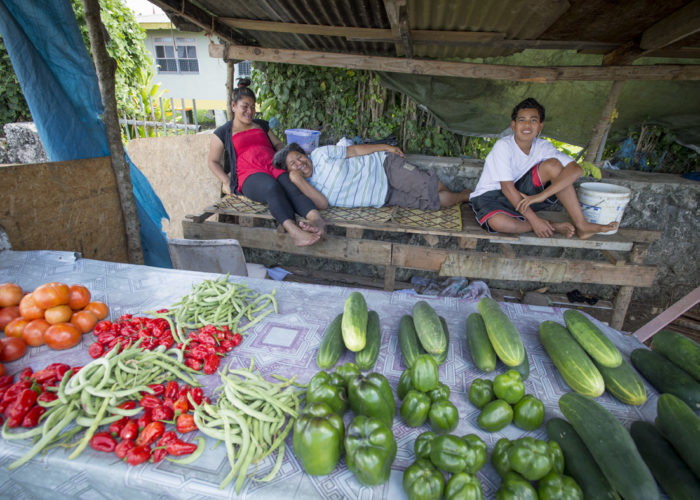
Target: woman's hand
<point x="226" y="188"/>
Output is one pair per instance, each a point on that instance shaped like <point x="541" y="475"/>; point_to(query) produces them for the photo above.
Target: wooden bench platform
<point x="621" y="263"/>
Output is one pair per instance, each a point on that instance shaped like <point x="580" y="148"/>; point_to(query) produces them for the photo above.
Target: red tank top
<point x="254" y="154"/>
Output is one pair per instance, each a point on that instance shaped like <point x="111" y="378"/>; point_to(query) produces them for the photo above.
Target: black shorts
<point x="494" y="202"/>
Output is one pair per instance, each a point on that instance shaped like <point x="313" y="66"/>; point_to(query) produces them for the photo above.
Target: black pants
<point x="283" y="198"/>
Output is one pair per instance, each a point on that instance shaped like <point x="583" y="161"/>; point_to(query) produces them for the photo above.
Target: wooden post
<point x="105" y="67"/>
<point x="230" y="70"/>
<point x="599" y="129"/>
<point x="624" y="295"/>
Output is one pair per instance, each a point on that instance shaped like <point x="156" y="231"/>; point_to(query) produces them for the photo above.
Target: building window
<point x="179" y="56"/>
<point x="243" y="69"/>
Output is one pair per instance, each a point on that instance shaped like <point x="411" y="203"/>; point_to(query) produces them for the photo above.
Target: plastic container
<point x="603" y="203"/>
<point x="307" y="139"/>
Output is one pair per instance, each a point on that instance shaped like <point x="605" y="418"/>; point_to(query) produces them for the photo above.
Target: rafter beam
<point x="679" y="25"/>
<point x="398" y="19"/>
<point x="199" y="17"/>
<point x="536" y="74"/>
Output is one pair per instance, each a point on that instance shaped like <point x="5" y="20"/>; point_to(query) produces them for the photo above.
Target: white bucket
<point x="603" y="203"/>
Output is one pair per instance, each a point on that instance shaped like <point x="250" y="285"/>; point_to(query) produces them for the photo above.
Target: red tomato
<point x="7" y="314"/>
<point x="10" y="294"/>
<point x="15" y="327"/>
<point x="33" y="334"/>
<point x="51" y="294"/>
<point x="84" y="320"/>
<point x="62" y="336"/>
<point x="58" y="314"/>
<point x="2" y="369"/>
<point x="28" y="308"/>
<point x="12" y="348"/>
<point x="99" y="308"/>
<point x="79" y="297"/>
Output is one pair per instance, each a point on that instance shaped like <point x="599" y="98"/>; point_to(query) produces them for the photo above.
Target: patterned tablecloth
<point x="285" y="344"/>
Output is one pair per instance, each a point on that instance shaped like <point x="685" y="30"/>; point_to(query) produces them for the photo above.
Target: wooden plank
<point x="304" y="275"/>
<point x="199" y="217"/>
<point x="614" y="257"/>
<point x="466" y="243"/>
<point x="394" y="10"/>
<point x="534" y="74"/>
<point x="681" y="24"/>
<point x="247" y="221"/>
<point x="595" y="243"/>
<point x="431" y="239"/>
<point x="354" y="232"/>
<point x="389" y="278"/>
<point x="624" y="295"/>
<point x="639" y="235"/>
<point x="474" y="264"/>
<point x="507" y="250"/>
<point x="330" y="247"/>
<point x="647" y="331"/>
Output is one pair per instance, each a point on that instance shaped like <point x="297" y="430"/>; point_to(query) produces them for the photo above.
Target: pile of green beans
<point x="252" y="417"/>
<point x="218" y="302"/>
<point x="92" y="397"/>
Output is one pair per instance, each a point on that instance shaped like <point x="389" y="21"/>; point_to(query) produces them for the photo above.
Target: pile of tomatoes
<point x="54" y="314"/>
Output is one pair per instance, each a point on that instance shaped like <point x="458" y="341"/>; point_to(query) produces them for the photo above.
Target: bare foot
<point x="317" y="225"/>
<point x="566" y="229"/>
<point x="304" y="238"/>
<point x="586" y="230"/>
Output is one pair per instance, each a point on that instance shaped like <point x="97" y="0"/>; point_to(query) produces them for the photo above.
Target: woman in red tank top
<point x="253" y="149"/>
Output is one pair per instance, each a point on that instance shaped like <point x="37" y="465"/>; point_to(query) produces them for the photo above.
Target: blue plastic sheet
<point x="60" y="85"/>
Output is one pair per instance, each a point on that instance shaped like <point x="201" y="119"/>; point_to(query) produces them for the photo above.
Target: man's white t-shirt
<point x="507" y="162"/>
<point x="359" y="181"/>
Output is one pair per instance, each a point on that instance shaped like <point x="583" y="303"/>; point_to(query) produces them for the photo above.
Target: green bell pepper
<point x="481" y="392"/>
<point x="329" y="389"/>
<point x="495" y="416"/>
<point x="370" y="449"/>
<point x="348" y="371"/>
<point x="557" y="456"/>
<point x="556" y="486"/>
<point x="405" y="384"/>
<point x="423" y="444"/>
<point x="499" y="457"/>
<point x="515" y="487"/>
<point x="318" y="438"/>
<point x="422" y="481"/>
<point x="476" y="454"/>
<point x="443" y="416"/>
<point x="442" y="391"/>
<point x="424" y="373"/>
<point x="528" y="413"/>
<point x="371" y="395"/>
<point x="530" y="457"/>
<point x="415" y="407"/>
<point x="509" y="387"/>
<point x="463" y="486"/>
<point x="449" y="453"/>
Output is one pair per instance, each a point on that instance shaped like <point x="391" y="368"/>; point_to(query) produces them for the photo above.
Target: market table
<point x="285" y="344"/>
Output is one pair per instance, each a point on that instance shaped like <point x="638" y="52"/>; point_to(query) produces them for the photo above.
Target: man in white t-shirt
<point x="523" y="174"/>
<point x="364" y="175"/>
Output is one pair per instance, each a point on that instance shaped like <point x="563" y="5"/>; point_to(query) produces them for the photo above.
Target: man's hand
<point x="396" y="150"/>
<point x="526" y="201"/>
<point x="541" y="227"/>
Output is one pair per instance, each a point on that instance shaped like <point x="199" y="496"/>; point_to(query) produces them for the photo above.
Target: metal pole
<point x="184" y="113"/>
<point x="194" y="113"/>
<point x="172" y="107"/>
<point x="162" y="116"/>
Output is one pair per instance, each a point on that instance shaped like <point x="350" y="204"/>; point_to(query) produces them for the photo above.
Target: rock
<point x="23" y="144"/>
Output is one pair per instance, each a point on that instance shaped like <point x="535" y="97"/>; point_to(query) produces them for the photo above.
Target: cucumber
<point x="354" y="324"/>
<point x="441" y="358"/>
<point x="682" y="351"/>
<point x="523" y="368"/>
<point x="611" y="447"/>
<point x="571" y="360"/>
<point x="502" y="333"/>
<point x="429" y="329"/>
<point x="594" y="342"/>
<point x="367" y="357"/>
<point x="579" y="462"/>
<point x="624" y="383"/>
<point x="681" y="426"/>
<point x="332" y="346"/>
<point x="480" y="348"/>
<point x="408" y="341"/>
<point x="670" y="471"/>
<point x="667" y="377"/>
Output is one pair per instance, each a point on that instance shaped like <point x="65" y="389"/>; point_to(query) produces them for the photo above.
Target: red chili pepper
<point x="47" y="397"/>
<point x="6" y="381"/>
<point x="59" y="369"/>
<point x="138" y="455"/>
<point x="169" y="403"/>
<point x="207" y="338"/>
<point x="228" y="345"/>
<point x="167" y="341"/>
<point x="184" y="390"/>
<point x="162" y="311"/>
<point x="96" y="350"/>
<point x="149" y="343"/>
<point x="162" y="413"/>
<point x="159" y="451"/>
<point x="178" y="448"/>
<point x="185" y="423"/>
<point x="171" y="389"/>
<point x="31" y="418"/>
<point x="115" y="428"/>
<point x="150" y="433"/>
<point x="123" y="447"/>
<point x="16" y="411"/>
<point x="106" y="337"/>
<point x="237" y="339"/>
<point x="196" y="395"/>
<point x="158" y="389"/>
<point x="181" y="405"/>
<point x="103" y="441"/>
<point x="195" y="364"/>
<point x="211" y="363"/>
<point x="128" y="405"/>
<point x="150" y="401"/>
<point x="102" y="327"/>
<point x="43" y="376"/>
<point x="130" y="430"/>
<point x="145" y="418"/>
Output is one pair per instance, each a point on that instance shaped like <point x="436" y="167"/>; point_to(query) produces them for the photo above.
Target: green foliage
<point x="13" y="107"/>
<point x="347" y="103"/>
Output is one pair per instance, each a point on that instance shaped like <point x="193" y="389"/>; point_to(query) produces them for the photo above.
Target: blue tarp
<point x="60" y="85"/>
